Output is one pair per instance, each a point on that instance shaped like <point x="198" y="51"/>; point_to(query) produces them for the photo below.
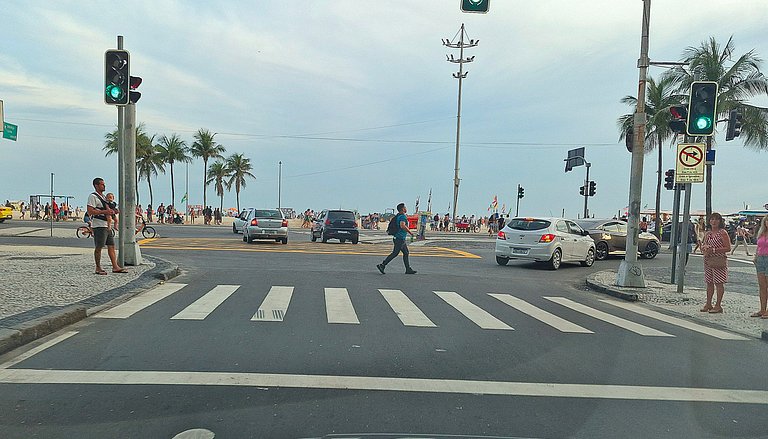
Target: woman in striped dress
<point x="715" y="246"/>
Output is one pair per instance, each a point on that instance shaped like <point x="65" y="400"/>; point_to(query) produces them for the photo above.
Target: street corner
<point x="605" y="282"/>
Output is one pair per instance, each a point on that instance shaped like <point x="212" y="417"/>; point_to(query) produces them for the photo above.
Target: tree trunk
<point x="205" y="182"/>
<point x="657" y="220"/>
<point x="173" y="192"/>
<point x="221" y="206"/>
<point x="149" y="183"/>
<point x="137" y="185"/>
<point x="709" y="182"/>
<point x="237" y="189"/>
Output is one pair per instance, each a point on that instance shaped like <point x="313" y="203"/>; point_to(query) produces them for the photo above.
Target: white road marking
<point x="424" y="385"/>
<point x="539" y="314"/>
<point x="143" y="300"/>
<point x="36" y="350"/>
<point x="717" y="333"/>
<point x="205" y="305"/>
<point x="473" y="312"/>
<point x="406" y="310"/>
<point x="338" y="307"/>
<point x="609" y="318"/>
<point x="195" y="433"/>
<point x="275" y="305"/>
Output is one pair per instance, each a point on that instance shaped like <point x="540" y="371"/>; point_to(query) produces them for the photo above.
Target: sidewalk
<point x="45" y="288"/>
<point x="740" y="299"/>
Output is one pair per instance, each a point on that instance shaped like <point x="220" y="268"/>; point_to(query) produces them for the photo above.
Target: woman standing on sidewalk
<point x="761" y="265"/>
<point x="715" y="246"/>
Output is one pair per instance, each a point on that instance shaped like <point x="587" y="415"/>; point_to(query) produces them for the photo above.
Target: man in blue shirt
<point x="399" y="241"/>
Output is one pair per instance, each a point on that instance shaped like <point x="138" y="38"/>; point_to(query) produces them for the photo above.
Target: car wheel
<point x="590" y="258"/>
<point x="245" y="238"/>
<point x="284" y="240"/>
<point x="342" y="241"/>
<point x="556" y="259"/>
<point x="234" y="229"/>
<point x="601" y="251"/>
<point x="248" y="239"/>
<point x="324" y="238"/>
<point x="501" y="261"/>
<point x="313" y="237"/>
<point x="651" y="250"/>
<point x="354" y="241"/>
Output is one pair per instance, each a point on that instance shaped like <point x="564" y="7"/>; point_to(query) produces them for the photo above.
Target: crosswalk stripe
<point x="205" y="305"/>
<point x="338" y="306"/>
<point x="406" y="310"/>
<point x="539" y="314"/>
<point x="274" y="306"/>
<point x="131" y="307"/>
<point x="723" y="335"/>
<point x="609" y="318"/>
<point x="479" y="316"/>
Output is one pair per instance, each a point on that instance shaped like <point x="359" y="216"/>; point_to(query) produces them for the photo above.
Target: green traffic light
<point x="114" y="92"/>
<point x="703" y="123"/>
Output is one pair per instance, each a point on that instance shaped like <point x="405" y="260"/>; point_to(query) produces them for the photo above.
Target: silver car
<point x="550" y="240"/>
<point x="240" y="220"/>
<point x="265" y="224"/>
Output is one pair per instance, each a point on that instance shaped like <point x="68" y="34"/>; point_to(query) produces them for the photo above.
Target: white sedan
<point x="550" y="240"/>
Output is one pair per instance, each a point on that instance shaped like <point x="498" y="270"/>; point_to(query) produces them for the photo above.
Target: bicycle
<point x="146" y="230"/>
<point x="87" y="232"/>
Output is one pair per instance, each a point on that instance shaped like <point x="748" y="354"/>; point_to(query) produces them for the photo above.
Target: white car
<point x="550" y="240"/>
<point x="265" y="224"/>
<point x="240" y="220"/>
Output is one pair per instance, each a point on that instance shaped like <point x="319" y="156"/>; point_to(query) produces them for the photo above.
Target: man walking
<point x="399" y="241"/>
<point x="98" y="209"/>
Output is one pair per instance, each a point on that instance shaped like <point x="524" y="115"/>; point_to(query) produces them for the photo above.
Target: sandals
<point x="716" y="310"/>
<point x="706" y="308"/>
<point x="101" y="272"/>
<point x="759" y="314"/>
<point x="122" y="270"/>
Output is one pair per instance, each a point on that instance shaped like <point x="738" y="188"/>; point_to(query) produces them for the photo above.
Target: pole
<point x="50" y="215"/>
<point x="682" y="249"/>
<point x="586" y="190"/>
<point x="630" y="273"/>
<point x="673" y="238"/>
<point x="458" y="124"/>
<point x="128" y="210"/>
<point x="121" y="182"/>
<point x="279" y="182"/>
<point x="517" y="208"/>
<point x="186" y="193"/>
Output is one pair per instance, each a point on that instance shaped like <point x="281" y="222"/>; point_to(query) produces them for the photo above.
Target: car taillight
<point x="254" y="222"/>
<point x="285" y="223"/>
<point x="327" y="221"/>
<point x="501" y="235"/>
<point x="548" y="237"/>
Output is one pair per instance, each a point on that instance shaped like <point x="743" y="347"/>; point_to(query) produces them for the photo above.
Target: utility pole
<point x="630" y="273"/>
<point x="460" y="75"/>
<point x="120" y="174"/>
<point x="279" y="183"/>
<point x="586" y="190"/>
<point x="132" y="254"/>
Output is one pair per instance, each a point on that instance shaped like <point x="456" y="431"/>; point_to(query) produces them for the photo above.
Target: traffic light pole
<point x="682" y="249"/>
<point x="586" y="190"/>
<point x="128" y="225"/>
<point x="630" y="272"/>
<point x="673" y="231"/>
<point x="120" y="171"/>
<point x="517" y="207"/>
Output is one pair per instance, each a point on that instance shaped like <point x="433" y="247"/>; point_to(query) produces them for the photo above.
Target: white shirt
<point x="96" y="203"/>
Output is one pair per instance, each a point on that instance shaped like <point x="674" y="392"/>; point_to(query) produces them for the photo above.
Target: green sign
<point x="474" y="6"/>
<point x="9" y="131"/>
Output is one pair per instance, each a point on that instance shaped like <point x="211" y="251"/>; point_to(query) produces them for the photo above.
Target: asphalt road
<point x="227" y="348"/>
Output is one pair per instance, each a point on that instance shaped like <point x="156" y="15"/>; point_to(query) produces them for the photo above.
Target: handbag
<point x="716" y="261"/>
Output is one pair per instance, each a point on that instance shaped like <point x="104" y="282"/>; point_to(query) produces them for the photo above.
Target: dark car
<point x="335" y="224"/>
<point x="610" y="236"/>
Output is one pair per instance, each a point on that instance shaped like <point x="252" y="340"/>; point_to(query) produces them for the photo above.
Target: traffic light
<point x="702" y="108"/>
<point x="734" y="125"/>
<point x="134" y="96"/>
<point x="669" y="179"/>
<point x="480" y="6"/>
<point x="679" y="118"/>
<point x="581" y="189"/>
<point x="116" y="77"/>
<point x="592" y="187"/>
<point x="520" y="192"/>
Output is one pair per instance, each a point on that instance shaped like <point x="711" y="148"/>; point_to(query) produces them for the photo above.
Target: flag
<point x="184" y="198"/>
<point x="503" y="207"/>
<point x="495" y="202"/>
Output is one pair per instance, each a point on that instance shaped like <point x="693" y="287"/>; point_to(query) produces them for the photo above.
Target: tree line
<point x="155" y="153"/>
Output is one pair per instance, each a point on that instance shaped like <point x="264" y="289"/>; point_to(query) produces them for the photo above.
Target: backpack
<point x="393" y="226"/>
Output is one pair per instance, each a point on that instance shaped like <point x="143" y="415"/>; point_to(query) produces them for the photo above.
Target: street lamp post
<point x="279" y="183"/>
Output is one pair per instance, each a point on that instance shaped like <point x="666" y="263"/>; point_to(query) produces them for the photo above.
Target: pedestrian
<point x="742" y="237"/>
<point x="23" y="209"/>
<point x="149" y="213"/>
<point x="715" y="246"/>
<point x="160" y="213"/>
<point x="761" y="265"/>
<point x="398" y="239"/>
<point x="701" y="228"/>
<point x="98" y="211"/>
<point x="47" y="215"/>
<point x="217" y="216"/>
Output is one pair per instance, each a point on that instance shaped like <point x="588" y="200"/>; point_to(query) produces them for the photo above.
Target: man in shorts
<point x="98" y="210"/>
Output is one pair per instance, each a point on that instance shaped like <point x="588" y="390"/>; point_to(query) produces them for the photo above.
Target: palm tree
<point x="238" y="167"/>
<point x="217" y="172"/>
<point x="143" y="143"/>
<point x="173" y="149"/>
<point x="150" y="163"/>
<point x="659" y="97"/>
<point x="205" y="147"/>
<point x="738" y="81"/>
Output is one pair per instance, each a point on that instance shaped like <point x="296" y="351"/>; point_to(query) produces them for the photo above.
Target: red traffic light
<point x="135" y="82"/>
<point x="679" y="112"/>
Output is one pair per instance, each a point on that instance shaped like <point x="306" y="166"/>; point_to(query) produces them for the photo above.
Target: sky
<point x="357" y="101"/>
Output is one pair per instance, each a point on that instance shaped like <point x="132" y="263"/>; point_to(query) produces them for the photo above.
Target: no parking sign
<point x="689" y="166"/>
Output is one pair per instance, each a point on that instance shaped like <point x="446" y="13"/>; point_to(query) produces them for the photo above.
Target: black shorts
<point x="103" y="237"/>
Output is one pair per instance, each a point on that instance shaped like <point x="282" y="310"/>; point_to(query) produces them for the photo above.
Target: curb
<point x="593" y="284"/>
<point x="19" y="334"/>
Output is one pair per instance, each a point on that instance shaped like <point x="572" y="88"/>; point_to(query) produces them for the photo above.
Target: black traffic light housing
<point x="702" y="109"/>
<point x="117" y="67"/>
<point x="592" y="188"/>
<point x="734" y="124"/>
<point x="669" y="179"/>
<point x="134" y="95"/>
<point x="480" y="6"/>
<point x="679" y="118"/>
<point x="520" y="192"/>
<point x="581" y="190"/>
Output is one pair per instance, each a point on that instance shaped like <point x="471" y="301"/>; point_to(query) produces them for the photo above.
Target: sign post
<point x="689" y="168"/>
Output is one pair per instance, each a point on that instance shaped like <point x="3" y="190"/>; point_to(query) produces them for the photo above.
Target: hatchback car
<point x="265" y="224"/>
<point x="335" y="224"/>
<point x="610" y="237"/>
<point x="550" y="240"/>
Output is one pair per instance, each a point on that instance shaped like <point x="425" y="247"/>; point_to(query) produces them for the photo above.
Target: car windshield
<point x="528" y="224"/>
<point x="267" y="214"/>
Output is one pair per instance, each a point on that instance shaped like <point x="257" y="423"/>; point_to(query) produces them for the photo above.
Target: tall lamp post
<point x="279" y="183"/>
